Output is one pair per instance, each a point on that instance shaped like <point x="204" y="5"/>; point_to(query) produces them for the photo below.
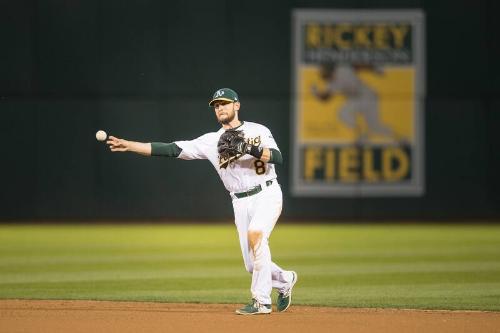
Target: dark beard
<point x="228" y="119"/>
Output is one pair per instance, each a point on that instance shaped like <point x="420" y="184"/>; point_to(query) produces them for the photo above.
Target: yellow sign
<point x="358" y="103"/>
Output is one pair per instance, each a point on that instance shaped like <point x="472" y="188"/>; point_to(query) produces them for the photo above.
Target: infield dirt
<point x="103" y="316"/>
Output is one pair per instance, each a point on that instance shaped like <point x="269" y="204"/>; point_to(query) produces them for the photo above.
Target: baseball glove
<point x="231" y="143"/>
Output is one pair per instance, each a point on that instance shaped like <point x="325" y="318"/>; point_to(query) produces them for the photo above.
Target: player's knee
<point x="254" y="238"/>
<point x="255" y="242"/>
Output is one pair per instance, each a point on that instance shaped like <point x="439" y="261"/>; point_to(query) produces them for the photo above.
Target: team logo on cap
<point x="219" y="93"/>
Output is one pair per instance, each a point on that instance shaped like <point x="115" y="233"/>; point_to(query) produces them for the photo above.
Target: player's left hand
<point x="242" y="147"/>
<point x="232" y="143"/>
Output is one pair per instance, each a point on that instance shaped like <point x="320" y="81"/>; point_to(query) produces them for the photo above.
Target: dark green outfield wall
<point x="144" y="70"/>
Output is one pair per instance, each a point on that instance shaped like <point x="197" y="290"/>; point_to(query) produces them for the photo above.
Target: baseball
<point x="101" y="135"/>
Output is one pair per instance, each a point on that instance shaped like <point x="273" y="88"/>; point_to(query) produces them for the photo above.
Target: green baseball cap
<point x="224" y="94"/>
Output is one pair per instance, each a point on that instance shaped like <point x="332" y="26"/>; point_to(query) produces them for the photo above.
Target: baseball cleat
<point x="285" y="298"/>
<point x="254" y="308"/>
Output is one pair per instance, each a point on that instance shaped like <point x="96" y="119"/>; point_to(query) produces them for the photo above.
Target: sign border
<point x="415" y="187"/>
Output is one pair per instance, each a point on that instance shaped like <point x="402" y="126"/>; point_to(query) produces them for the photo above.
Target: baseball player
<point x="244" y="154"/>
<point x="361" y="99"/>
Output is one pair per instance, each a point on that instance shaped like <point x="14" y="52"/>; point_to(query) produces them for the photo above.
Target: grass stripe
<point x="404" y="266"/>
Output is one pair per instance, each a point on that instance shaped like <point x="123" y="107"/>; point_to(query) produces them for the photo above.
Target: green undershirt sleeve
<point x="276" y="157"/>
<point x="165" y="149"/>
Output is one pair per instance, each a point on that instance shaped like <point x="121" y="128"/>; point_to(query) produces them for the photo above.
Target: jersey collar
<point x="241" y="124"/>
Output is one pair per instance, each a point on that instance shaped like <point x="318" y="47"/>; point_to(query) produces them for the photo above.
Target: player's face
<point x="225" y="111"/>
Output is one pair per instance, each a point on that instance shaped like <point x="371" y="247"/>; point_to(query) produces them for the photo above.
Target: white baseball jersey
<point x="243" y="173"/>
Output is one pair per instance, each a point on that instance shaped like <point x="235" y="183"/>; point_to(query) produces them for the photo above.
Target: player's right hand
<point x="116" y="144"/>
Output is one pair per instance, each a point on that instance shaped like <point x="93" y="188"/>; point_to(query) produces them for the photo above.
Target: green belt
<point x="253" y="191"/>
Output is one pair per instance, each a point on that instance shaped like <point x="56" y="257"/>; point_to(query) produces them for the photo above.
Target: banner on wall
<point x="358" y="101"/>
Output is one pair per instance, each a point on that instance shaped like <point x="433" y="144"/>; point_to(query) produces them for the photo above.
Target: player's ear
<point x="237" y="106"/>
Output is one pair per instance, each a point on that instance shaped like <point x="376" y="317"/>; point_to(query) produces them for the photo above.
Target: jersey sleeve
<point x="268" y="139"/>
<point x="196" y="149"/>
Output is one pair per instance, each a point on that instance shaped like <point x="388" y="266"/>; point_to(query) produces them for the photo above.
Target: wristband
<point x="255" y="151"/>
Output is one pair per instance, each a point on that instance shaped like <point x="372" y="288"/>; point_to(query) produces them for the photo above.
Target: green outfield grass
<point x="397" y="266"/>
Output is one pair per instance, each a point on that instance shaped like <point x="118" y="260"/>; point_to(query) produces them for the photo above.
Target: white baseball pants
<point x="260" y="212"/>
